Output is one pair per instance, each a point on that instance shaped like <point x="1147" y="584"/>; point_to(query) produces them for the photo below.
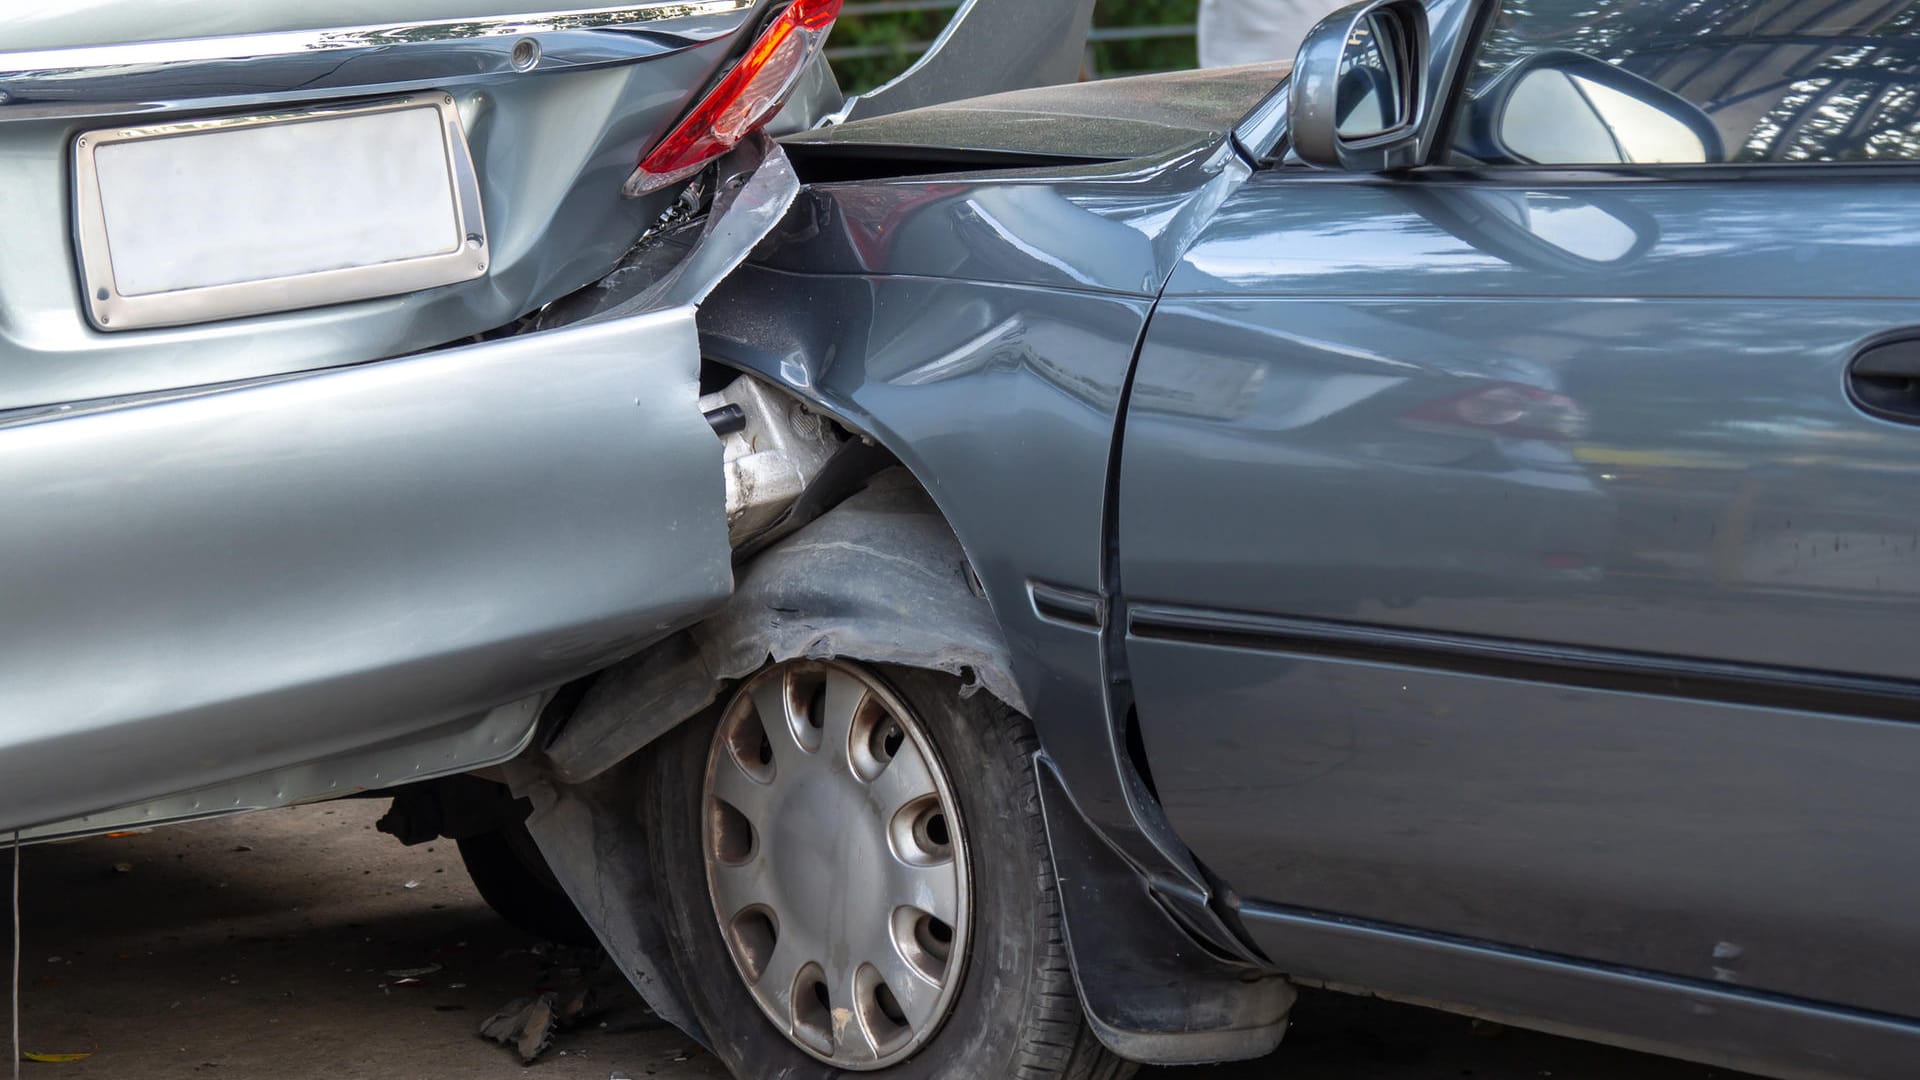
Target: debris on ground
<point x="413" y="972"/>
<point x="54" y="1059"/>
<point x="528" y="1024"/>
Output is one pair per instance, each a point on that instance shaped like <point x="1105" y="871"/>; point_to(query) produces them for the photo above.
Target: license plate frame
<point x="460" y="253"/>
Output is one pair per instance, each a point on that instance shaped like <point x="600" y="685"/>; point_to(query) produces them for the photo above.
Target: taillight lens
<point x="744" y="100"/>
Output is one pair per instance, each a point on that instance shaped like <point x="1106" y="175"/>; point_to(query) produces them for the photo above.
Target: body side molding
<point x="1582" y="667"/>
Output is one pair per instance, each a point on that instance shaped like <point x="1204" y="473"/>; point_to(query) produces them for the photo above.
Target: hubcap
<point x="836" y="862"/>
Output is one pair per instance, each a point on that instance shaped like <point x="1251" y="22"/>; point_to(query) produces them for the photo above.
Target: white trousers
<point x="1257" y="31"/>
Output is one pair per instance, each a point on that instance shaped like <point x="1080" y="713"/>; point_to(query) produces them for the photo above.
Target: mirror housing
<point x="1358" y="97"/>
<point x="1567" y="108"/>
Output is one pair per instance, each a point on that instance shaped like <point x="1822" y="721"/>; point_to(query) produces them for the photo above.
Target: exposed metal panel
<point x="213" y="587"/>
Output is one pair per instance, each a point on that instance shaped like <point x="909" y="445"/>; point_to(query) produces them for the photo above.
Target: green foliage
<point x="897" y="36"/>
<point x="1145" y="54"/>
<point x="884" y="44"/>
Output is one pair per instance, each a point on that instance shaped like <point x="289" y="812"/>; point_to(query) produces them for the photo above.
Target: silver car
<point x="304" y="499"/>
<point x="352" y="404"/>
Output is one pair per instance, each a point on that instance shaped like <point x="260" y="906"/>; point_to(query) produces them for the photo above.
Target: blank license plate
<point x="214" y="219"/>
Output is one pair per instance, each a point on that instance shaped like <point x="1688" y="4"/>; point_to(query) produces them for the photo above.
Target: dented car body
<point x="244" y="518"/>
<point x="1125" y="524"/>
<point x="210" y="523"/>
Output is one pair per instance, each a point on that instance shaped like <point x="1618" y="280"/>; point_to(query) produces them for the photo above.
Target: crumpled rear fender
<point x="879" y="578"/>
<point x="245" y="596"/>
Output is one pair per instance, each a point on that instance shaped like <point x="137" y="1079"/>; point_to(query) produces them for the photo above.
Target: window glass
<point x="1649" y="81"/>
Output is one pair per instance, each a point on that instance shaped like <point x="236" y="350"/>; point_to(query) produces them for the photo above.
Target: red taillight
<point x="744" y="100"/>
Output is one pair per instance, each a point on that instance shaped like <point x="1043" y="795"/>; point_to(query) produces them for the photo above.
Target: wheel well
<point x="880" y="577"/>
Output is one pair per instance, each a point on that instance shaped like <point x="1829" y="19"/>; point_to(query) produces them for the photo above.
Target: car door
<point x="294" y="504"/>
<point x="1548" y="588"/>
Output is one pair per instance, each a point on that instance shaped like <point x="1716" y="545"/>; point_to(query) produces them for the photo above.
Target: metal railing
<point x="912" y="50"/>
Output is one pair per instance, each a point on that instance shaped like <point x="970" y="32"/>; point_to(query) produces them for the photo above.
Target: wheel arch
<point x="917" y="600"/>
<point x="881" y="578"/>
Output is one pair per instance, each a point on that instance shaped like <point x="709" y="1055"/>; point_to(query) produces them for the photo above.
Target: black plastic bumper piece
<point x="1151" y="991"/>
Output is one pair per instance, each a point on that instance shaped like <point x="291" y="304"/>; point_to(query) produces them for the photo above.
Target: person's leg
<point x="1256" y="31"/>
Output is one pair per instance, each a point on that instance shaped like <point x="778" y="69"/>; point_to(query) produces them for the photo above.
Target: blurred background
<point x="876" y="39"/>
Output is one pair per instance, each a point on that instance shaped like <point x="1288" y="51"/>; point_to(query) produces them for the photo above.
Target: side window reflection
<point x="1563" y="108"/>
<point x="1607" y="82"/>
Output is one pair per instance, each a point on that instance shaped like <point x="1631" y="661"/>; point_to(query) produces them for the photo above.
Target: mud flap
<point x="1151" y="991"/>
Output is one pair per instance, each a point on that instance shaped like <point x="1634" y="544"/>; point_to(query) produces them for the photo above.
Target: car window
<point x="1600" y="82"/>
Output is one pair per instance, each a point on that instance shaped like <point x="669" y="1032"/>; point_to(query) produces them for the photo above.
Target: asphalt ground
<point x="300" y="944"/>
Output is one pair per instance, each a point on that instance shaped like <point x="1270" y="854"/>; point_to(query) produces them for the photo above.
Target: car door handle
<point x="1885" y="380"/>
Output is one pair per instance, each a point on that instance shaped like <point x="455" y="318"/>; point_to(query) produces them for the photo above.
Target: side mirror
<point x="1358" y="92"/>
<point x="1567" y="108"/>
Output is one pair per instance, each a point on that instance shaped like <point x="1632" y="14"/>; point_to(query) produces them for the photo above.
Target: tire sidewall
<point x="1011" y="912"/>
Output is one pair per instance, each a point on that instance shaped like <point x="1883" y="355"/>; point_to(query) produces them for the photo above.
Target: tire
<point x="1015" y="1012"/>
<point x="512" y="877"/>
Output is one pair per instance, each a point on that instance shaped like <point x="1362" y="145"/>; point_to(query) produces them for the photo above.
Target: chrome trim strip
<point x="82" y="59"/>
<point x="111" y="310"/>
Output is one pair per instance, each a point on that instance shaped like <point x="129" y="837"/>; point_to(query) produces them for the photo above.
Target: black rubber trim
<point x="1621" y="671"/>
<point x="850" y="162"/>
<point x="727" y="419"/>
<point x="1883" y="380"/>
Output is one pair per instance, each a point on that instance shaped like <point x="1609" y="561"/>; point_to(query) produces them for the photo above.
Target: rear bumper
<point x="207" y="588"/>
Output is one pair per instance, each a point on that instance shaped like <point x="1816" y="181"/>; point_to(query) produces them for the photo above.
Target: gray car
<point x="1433" y="523"/>
<point x="1425" y="522"/>
<point x="240" y="548"/>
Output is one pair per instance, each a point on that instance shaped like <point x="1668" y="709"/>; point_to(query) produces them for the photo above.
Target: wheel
<point x="857" y="879"/>
<point x="512" y="877"/>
